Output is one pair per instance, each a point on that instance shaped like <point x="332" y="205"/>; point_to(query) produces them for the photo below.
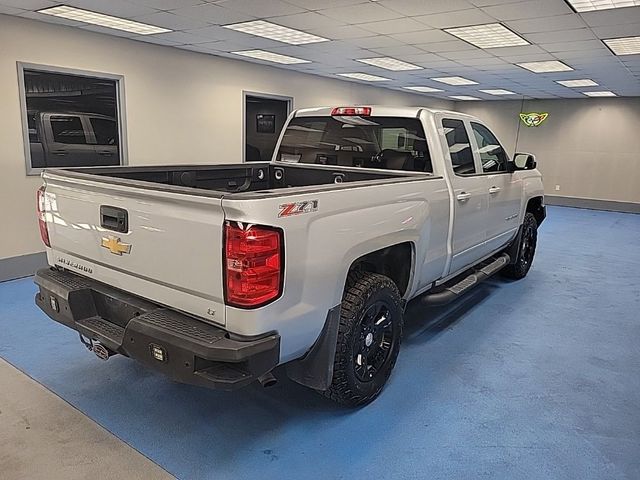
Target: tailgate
<point x="170" y="250"/>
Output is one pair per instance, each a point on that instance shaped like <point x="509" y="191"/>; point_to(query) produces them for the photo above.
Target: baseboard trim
<point x="593" y="204"/>
<point x="22" y="266"/>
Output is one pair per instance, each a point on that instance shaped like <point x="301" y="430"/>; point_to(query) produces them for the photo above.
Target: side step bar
<point x="448" y="292"/>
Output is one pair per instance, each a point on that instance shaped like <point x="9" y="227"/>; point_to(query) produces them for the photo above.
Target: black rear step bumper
<point x="194" y="352"/>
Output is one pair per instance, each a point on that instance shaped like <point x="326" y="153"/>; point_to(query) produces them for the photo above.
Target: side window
<point x="105" y="130"/>
<point x="67" y="129"/>
<point x="492" y="155"/>
<point x="459" y="146"/>
<point x="32" y="121"/>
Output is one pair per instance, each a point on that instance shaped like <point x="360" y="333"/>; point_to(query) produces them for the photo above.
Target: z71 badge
<point x="297" y="208"/>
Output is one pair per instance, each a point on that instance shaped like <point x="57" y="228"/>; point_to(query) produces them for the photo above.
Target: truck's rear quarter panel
<point x="175" y="240"/>
<point x="321" y="245"/>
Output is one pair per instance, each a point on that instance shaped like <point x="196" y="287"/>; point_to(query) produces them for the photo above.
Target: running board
<point x="448" y="292"/>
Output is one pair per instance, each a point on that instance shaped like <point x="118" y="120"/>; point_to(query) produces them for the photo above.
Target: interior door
<point x="504" y="188"/>
<point x="471" y="197"/>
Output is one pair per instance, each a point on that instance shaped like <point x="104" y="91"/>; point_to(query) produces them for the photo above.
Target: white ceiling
<point x="409" y="30"/>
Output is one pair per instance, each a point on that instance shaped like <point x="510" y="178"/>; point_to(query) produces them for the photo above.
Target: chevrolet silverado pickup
<point x="217" y="274"/>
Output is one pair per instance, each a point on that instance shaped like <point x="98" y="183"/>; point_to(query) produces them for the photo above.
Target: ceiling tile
<point x="213" y="14"/>
<point x="361" y="13"/>
<point x="119" y="8"/>
<point x="617" y="16"/>
<point x="528" y="9"/>
<point x="307" y="20"/>
<point x="28" y="4"/>
<point x="398" y="25"/>
<point x="172" y="21"/>
<point x="425" y="36"/>
<point x="573" y="35"/>
<point x="262" y="9"/>
<point x="459" y="18"/>
<point x="547" y="24"/>
<point x="612" y="31"/>
<point x="414" y="8"/>
<point x="511" y="51"/>
<point x="449" y="46"/>
<point x="397" y="50"/>
<point x="589" y="45"/>
<point x="376" y="41"/>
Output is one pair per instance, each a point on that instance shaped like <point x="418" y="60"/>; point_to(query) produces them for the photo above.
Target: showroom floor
<point x="530" y="379"/>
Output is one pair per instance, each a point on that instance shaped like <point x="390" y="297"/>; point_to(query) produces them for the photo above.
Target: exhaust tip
<point x="267" y="380"/>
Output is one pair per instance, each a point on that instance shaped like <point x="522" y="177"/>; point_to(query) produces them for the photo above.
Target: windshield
<point x="390" y="143"/>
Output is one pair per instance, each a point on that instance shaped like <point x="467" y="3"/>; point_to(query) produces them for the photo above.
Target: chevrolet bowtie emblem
<point x="115" y="246"/>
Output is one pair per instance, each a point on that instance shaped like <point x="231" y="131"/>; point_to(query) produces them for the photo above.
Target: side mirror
<point x="523" y="161"/>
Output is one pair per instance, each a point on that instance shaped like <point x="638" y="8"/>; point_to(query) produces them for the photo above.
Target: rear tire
<point x="526" y="251"/>
<point x="369" y="335"/>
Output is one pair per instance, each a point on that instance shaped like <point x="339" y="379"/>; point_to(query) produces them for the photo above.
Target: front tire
<point x="369" y="335"/>
<point x="527" y="249"/>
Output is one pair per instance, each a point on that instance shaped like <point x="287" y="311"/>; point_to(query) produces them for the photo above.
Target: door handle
<point x="59" y="152"/>
<point x="494" y="190"/>
<point x="105" y="152"/>
<point x="463" y="196"/>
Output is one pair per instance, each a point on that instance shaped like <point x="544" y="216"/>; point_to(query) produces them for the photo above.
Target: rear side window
<point x="491" y="153"/>
<point x="459" y="146"/>
<point x="106" y="131"/>
<point x="67" y="129"/>
<point x="390" y="143"/>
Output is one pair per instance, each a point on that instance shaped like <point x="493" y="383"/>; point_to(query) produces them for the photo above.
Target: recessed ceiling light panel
<point x="424" y="89"/>
<point x="498" y="91"/>
<point x="389" y="64"/>
<point x="272" y="31"/>
<point x="491" y="35"/>
<point x="102" y="20"/>
<point x="586" y="82"/>
<point x="591" y="5"/>
<point x="605" y="93"/>
<point x="363" y="76"/>
<point x="455" y="81"/>
<point x="624" y="46"/>
<point x="463" y="97"/>
<point x="545" y="67"/>
<point x="271" y="57"/>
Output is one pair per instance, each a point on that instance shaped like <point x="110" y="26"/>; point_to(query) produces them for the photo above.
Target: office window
<point x="71" y="120"/>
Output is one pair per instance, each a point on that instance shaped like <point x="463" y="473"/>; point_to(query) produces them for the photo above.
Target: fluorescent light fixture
<point x="463" y="97"/>
<point x="624" y="46"/>
<point x="424" y="89"/>
<point x="498" y="91"/>
<point x="261" y="28"/>
<point x="389" y="64"/>
<point x="590" y="5"/>
<point x="271" y="57"/>
<point x="544" y="67"/>
<point x="490" y="35"/>
<point x="364" y="76"/>
<point x="93" y="18"/>
<point x="586" y="82"/>
<point x="455" y="81"/>
<point x="605" y="93"/>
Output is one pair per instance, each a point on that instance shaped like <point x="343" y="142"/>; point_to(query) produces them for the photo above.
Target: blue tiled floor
<point x="531" y="379"/>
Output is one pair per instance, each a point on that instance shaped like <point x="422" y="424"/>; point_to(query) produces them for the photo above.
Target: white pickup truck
<point x="217" y="274"/>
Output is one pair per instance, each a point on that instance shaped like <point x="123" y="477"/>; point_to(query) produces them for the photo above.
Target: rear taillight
<point x="253" y="264"/>
<point x="351" y="111"/>
<point x="42" y="222"/>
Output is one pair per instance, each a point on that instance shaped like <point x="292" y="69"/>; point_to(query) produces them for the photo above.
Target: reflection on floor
<point x="530" y="379"/>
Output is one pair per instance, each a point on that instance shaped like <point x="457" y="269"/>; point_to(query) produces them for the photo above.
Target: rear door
<point x="105" y="132"/>
<point x="470" y="192"/>
<point x="161" y="245"/>
<point x="504" y="188"/>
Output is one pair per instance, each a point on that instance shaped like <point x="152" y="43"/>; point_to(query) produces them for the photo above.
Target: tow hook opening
<point x="267" y="380"/>
<point x="102" y="352"/>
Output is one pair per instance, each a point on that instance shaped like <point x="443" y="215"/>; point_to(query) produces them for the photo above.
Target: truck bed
<point x="225" y="179"/>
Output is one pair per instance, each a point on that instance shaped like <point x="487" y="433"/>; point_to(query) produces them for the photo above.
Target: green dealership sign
<point x="533" y="119"/>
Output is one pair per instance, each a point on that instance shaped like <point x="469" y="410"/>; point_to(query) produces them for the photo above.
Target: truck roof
<point x="376" y="110"/>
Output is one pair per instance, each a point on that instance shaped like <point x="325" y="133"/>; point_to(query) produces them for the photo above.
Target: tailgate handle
<point x="114" y="218"/>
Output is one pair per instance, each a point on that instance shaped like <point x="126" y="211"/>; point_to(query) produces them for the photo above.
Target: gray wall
<point x="589" y="148"/>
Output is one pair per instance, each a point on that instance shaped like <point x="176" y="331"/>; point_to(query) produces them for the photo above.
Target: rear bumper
<point x="194" y="352"/>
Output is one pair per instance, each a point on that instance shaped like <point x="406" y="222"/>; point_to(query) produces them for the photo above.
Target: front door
<point x="504" y="188"/>
<point x="471" y="197"/>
